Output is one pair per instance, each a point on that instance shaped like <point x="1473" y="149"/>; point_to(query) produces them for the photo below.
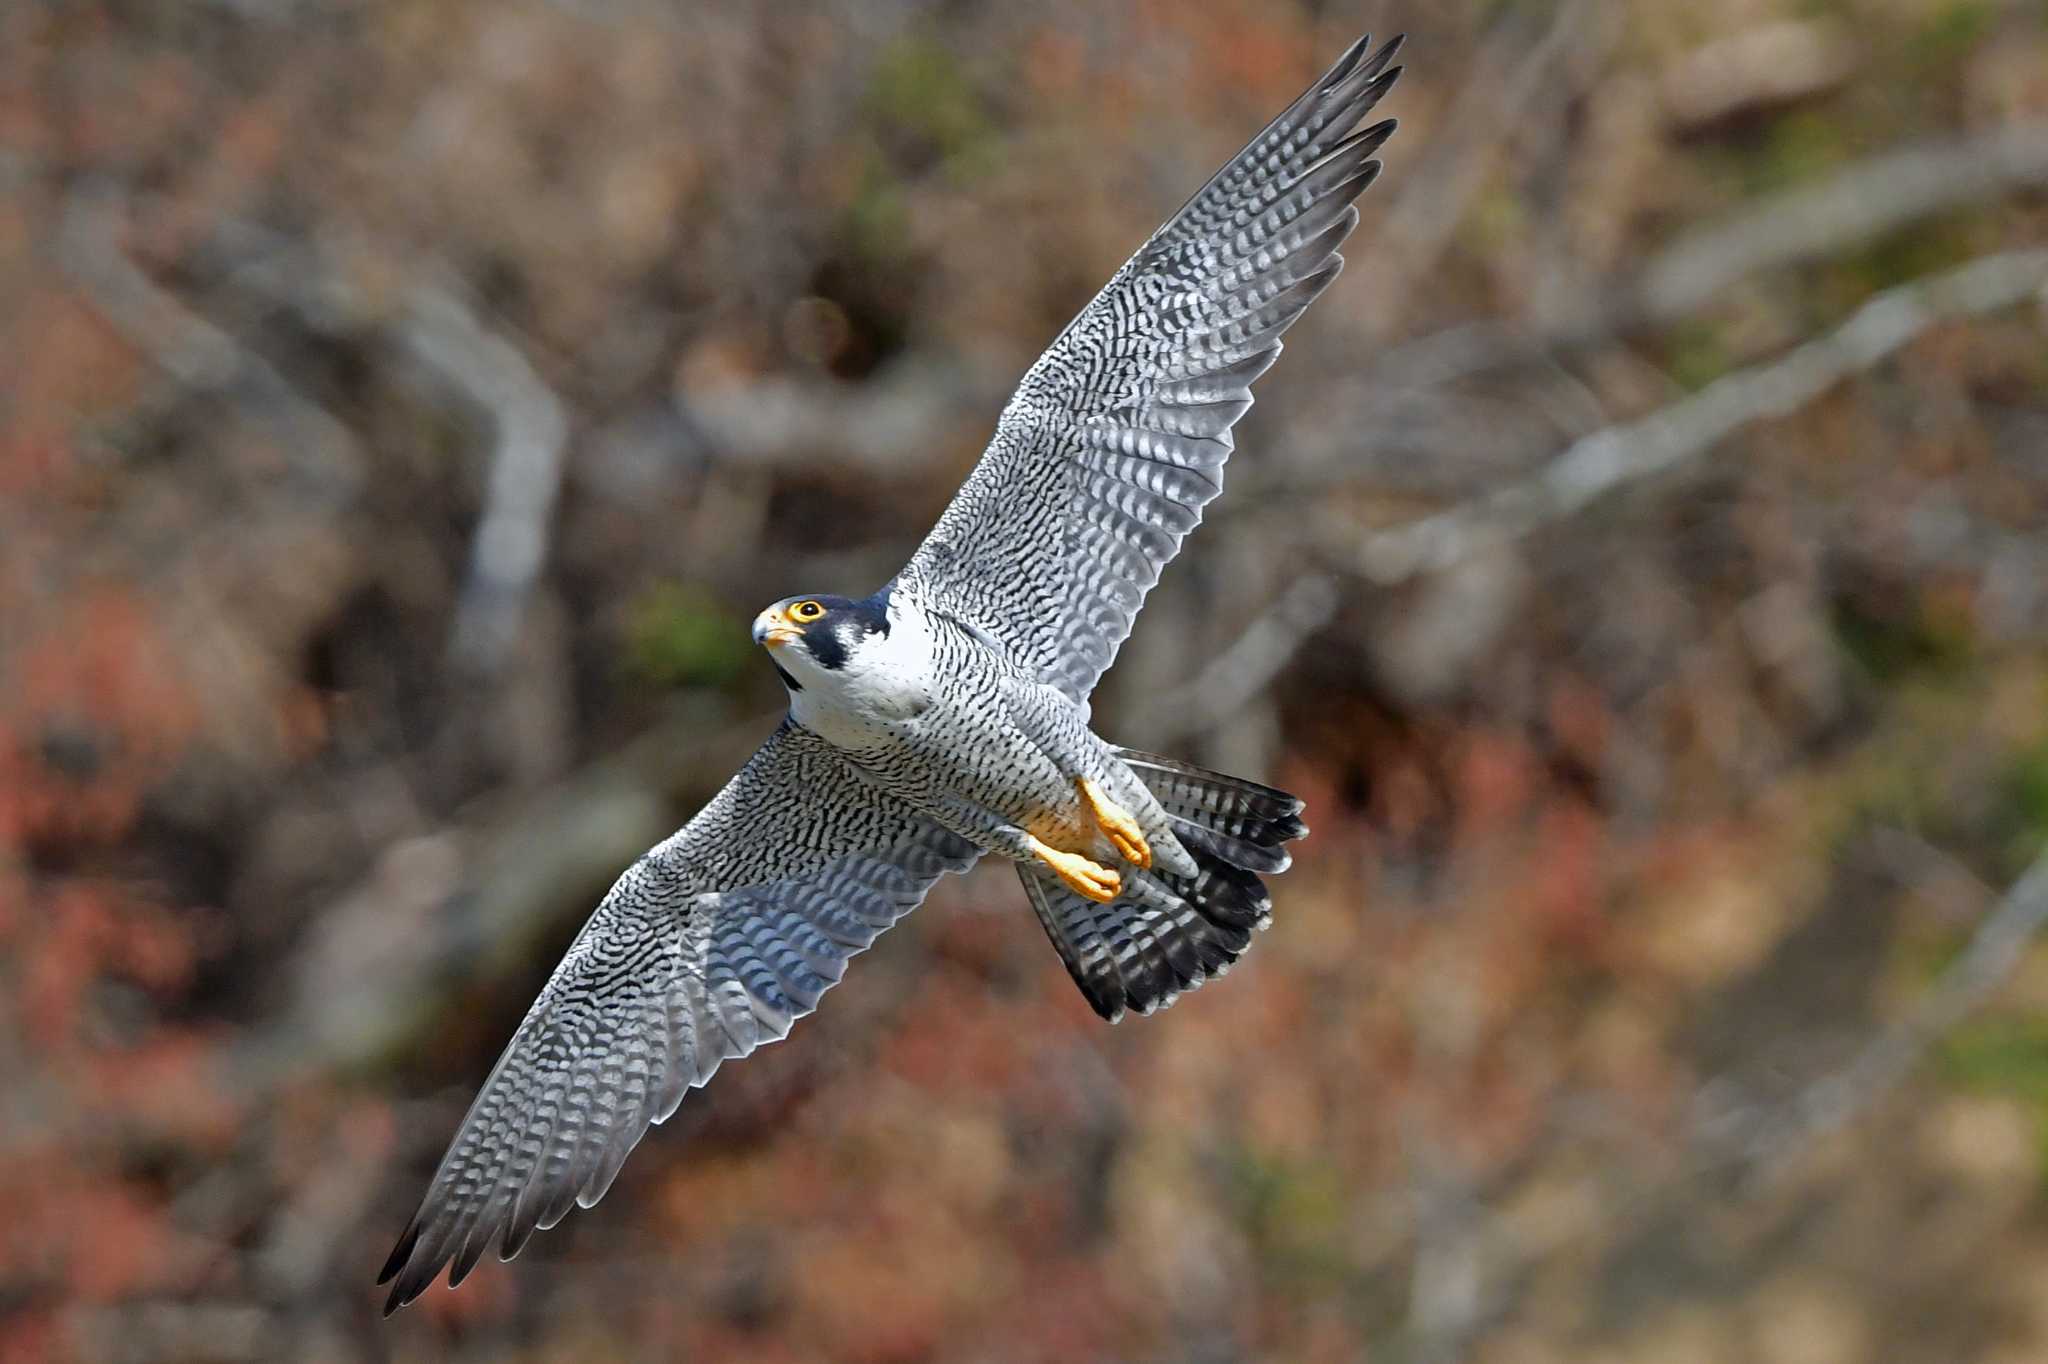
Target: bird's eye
<point x="806" y="611"/>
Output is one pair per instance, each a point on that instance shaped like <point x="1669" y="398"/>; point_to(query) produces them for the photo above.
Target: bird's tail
<point x="1164" y="933"/>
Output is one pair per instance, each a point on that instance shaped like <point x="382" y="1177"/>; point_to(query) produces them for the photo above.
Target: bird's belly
<point x="985" y="760"/>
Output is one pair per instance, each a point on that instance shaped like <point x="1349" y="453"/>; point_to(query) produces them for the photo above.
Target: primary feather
<point x="711" y="945"/>
<point x="1116" y="439"/>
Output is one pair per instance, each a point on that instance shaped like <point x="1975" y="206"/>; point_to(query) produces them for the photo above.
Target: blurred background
<point x="1637" y="561"/>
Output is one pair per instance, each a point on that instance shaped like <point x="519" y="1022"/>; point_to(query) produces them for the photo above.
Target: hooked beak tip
<point x="770" y="632"/>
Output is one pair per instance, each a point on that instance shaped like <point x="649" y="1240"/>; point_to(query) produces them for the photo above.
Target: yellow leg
<point x="1083" y="877"/>
<point x="1122" y="831"/>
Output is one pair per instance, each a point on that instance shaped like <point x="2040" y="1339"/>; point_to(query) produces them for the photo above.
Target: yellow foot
<point x="1083" y="877"/>
<point x="1123" y="831"/>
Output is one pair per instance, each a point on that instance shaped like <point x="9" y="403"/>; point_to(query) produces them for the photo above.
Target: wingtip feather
<point x="400" y="1253"/>
<point x="1346" y="64"/>
<point x="466" y="1260"/>
<point x="1388" y="51"/>
<point x="417" y="1279"/>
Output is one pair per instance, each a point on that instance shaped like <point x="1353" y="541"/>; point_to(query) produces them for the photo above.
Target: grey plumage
<point x="710" y="945"/>
<point x="1144" y="952"/>
<point x="946" y="716"/>
<point x="1117" y="437"/>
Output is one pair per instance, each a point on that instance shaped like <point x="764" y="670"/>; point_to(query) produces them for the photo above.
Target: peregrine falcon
<point x="946" y="716"/>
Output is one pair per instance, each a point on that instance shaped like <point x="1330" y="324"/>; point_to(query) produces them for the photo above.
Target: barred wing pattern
<point x="1116" y="438"/>
<point x="711" y="945"/>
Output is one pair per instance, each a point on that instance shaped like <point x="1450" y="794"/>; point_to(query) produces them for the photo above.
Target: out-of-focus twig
<point x="896" y="423"/>
<point x="1862" y="202"/>
<point x="1832" y="1103"/>
<point x="448" y="909"/>
<point x="1759" y="67"/>
<point x="1514" y="74"/>
<point x="1866" y="200"/>
<point x="1751" y="1145"/>
<point x="531" y="428"/>
<point x="1607" y="459"/>
<point x="1244" y="669"/>
<point x="487" y="373"/>
<point x="198" y="355"/>
<point x="1449" y="1293"/>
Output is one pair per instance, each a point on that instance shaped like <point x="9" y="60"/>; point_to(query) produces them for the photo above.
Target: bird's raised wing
<point x="712" y="944"/>
<point x="1116" y="438"/>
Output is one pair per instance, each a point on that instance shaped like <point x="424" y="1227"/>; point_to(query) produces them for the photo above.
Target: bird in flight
<point x="946" y="716"/>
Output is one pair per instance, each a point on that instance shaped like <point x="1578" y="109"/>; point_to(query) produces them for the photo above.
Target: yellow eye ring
<point x="806" y="611"/>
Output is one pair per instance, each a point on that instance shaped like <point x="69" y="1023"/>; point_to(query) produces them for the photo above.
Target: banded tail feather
<point x="1166" y="934"/>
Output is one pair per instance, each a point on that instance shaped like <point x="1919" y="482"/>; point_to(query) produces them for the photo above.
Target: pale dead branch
<point x="1863" y="202"/>
<point x="894" y="424"/>
<point x="1514" y="75"/>
<point x="487" y="374"/>
<point x="1766" y="66"/>
<point x="531" y="428"/>
<point x="462" y="907"/>
<point x="1839" y="1099"/>
<point x="198" y="355"/>
<point x="1611" y="458"/>
<point x="1882" y="194"/>
<point x="1248" y="665"/>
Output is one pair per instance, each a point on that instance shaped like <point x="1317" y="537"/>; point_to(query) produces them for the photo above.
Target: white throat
<point x="884" y="684"/>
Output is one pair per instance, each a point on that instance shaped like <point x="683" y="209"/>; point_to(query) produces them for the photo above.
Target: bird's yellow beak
<point x="773" y="630"/>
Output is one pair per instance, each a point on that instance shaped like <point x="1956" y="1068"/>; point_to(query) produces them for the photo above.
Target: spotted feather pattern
<point x="1117" y="437"/>
<point x="711" y="945"/>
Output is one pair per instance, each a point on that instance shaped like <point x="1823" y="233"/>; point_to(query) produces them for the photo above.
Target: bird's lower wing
<point x="711" y="945"/>
<point x="1117" y="437"/>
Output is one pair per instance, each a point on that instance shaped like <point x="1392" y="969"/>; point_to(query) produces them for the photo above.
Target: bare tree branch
<point x="1244" y="669"/>
<point x="1839" y="1099"/>
<point x="531" y="428"/>
<point x="455" y="907"/>
<point x="1862" y="202"/>
<point x="198" y="355"/>
<point x="1515" y="73"/>
<point x="487" y="373"/>
<point x="1866" y="200"/>
<point x="899" y="422"/>
<point x="1599" y="463"/>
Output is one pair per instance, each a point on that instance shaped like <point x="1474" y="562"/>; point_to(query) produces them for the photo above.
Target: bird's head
<point x="813" y="638"/>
